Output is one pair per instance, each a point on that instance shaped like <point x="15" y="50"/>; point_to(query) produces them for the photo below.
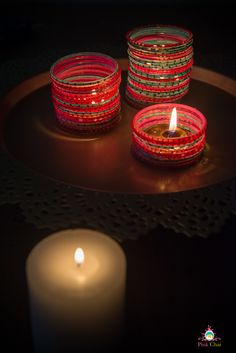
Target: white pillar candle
<point x="76" y="281"/>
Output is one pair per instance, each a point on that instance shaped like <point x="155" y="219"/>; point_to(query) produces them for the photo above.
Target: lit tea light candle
<point x="160" y="138"/>
<point x="171" y="130"/>
<point x="76" y="293"/>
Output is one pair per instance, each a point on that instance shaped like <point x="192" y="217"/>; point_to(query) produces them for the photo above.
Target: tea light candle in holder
<point x="85" y="92"/>
<point x="169" y="135"/>
<point x="160" y="63"/>
<point x="76" y="280"/>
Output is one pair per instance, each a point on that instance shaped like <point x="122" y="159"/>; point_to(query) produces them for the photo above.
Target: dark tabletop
<point x="176" y="285"/>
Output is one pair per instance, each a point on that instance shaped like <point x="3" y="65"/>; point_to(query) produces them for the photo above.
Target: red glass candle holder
<point x="85" y="92"/>
<point x="160" y="62"/>
<point x="152" y="141"/>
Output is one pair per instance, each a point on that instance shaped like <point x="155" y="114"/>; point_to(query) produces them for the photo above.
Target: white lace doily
<point x="54" y="205"/>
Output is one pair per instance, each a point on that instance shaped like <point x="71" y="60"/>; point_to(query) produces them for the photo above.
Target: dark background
<point x="176" y="285"/>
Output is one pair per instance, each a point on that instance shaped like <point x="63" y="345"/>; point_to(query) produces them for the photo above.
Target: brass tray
<point x="104" y="163"/>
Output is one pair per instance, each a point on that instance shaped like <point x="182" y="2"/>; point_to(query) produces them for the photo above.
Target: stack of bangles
<point x="85" y="92"/>
<point x="152" y="141"/>
<point x="160" y="62"/>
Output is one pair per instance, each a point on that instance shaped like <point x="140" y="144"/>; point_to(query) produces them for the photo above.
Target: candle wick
<point x="171" y="133"/>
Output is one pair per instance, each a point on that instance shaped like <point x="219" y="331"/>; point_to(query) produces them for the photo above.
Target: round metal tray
<point x="104" y="163"/>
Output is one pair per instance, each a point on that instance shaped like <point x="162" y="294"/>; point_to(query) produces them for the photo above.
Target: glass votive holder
<point x="85" y="92"/>
<point x="160" y="62"/>
<point x="153" y="141"/>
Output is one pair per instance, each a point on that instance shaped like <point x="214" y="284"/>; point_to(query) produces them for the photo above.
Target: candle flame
<point x="79" y="256"/>
<point x="173" y="120"/>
